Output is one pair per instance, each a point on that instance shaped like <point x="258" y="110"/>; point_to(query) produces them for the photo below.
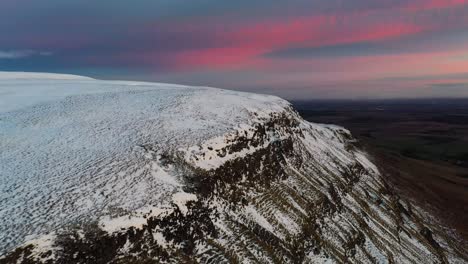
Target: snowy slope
<point x="192" y="172"/>
<point x="74" y="145"/>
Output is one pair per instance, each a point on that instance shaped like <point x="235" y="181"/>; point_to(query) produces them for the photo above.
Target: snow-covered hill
<point x="110" y="171"/>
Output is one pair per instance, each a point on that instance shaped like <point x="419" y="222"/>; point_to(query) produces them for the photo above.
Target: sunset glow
<point x="293" y="49"/>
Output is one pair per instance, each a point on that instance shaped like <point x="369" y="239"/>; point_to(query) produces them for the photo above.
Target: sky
<point x="297" y="49"/>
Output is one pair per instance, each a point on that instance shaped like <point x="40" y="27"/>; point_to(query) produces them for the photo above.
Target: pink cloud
<point x="368" y="67"/>
<point x="246" y="43"/>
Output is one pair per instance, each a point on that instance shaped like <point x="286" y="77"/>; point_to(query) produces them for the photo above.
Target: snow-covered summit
<point x="39" y="75"/>
<point x="75" y="144"/>
<point x="126" y="172"/>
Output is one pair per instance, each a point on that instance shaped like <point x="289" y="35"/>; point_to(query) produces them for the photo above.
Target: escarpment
<point x="263" y="187"/>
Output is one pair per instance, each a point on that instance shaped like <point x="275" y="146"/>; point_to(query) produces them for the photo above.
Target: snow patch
<point x="181" y="199"/>
<point x="137" y="219"/>
<point x="42" y="244"/>
<point x="159" y="238"/>
<point x="259" y="219"/>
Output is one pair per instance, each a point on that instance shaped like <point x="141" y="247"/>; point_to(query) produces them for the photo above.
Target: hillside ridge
<point x="148" y="172"/>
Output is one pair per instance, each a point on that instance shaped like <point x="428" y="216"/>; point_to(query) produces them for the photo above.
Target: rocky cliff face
<point x="271" y="189"/>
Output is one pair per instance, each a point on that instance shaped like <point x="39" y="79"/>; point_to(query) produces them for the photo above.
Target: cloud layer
<point x="293" y="48"/>
<point x="19" y="54"/>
